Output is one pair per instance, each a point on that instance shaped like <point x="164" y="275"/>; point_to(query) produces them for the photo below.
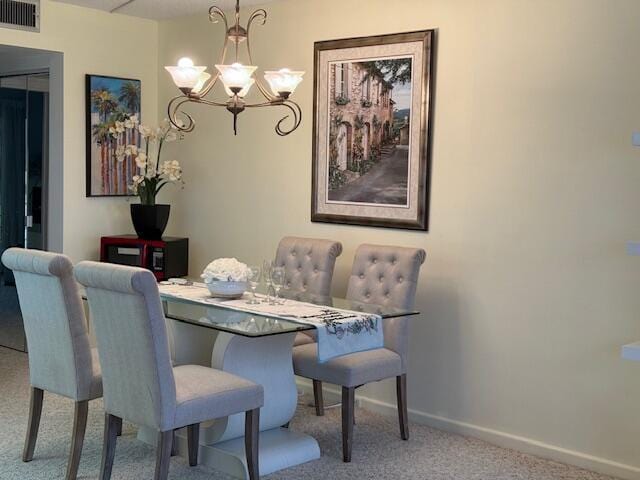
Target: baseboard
<point x="496" y="437"/>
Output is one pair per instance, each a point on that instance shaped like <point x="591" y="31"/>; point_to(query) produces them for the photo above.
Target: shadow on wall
<point x="435" y="352"/>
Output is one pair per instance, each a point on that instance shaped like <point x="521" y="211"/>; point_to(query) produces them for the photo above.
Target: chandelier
<point x="237" y="79"/>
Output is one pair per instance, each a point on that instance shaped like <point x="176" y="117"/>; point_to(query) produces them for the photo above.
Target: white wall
<point x="526" y="293"/>
<point x="99" y="43"/>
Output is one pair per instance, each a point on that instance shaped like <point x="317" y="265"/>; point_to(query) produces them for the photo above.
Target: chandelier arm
<point x="172" y="112"/>
<point x="261" y="16"/>
<point x="207" y="88"/>
<point x="263" y="104"/>
<point x="265" y="93"/>
<point x="217" y="12"/>
<point x="297" y="118"/>
<point x="213" y="13"/>
<point x="208" y="102"/>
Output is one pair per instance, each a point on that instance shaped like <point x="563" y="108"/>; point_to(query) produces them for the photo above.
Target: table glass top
<point x="253" y="325"/>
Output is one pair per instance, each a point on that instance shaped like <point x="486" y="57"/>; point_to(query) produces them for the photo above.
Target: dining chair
<point x="381" y="275"/>
<point x="308" y="264"/>
<point x="130" y="331"/>
<point x="61" y="360"/>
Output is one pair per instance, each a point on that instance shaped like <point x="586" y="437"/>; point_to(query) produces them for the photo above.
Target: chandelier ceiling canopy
<point x="237" y="79"/>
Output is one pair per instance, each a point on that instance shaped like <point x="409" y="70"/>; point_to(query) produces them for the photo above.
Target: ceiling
<point x="159" y="9"/>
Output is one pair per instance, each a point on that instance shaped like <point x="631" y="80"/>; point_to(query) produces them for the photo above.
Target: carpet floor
<point x="378" y="451"/>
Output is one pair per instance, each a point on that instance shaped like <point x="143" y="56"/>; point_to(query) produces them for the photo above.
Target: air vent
<point x="21" y="15"/>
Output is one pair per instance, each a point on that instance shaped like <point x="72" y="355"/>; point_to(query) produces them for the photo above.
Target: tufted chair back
<point x="132" y="343"/>
<point x="387" y="275"/>
<point x="60" y="358"/>
<point x="308" y="263"/>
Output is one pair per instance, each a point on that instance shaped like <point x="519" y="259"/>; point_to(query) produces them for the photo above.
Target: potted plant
<point x="149" y="218"/>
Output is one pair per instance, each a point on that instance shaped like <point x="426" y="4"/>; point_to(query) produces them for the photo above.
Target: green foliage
<point x="374" y="153"/>
<point x="358" y="149"/>
<point x="375" y="121"/>
<point x="333" y="138"/>
<point x="366" y="103"/>
<point x="337" y="177"/>
<point x="149" y="188"/>
<point x="103" y="102"/>
<point x="342" y="100"/>
<point x="365" y="166"/>
<point x="396" y="70"/>
<point x="130" y="96"/>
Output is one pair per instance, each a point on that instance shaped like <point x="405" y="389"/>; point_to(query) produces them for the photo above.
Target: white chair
<point x="141" y="385"/>
<point x="381" y="275"/>
<point x="308" y="264"/>
<point x="61" y="360"/>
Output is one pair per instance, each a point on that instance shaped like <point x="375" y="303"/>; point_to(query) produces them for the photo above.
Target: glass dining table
<point x="259" y="348"/>
<point x="217" y="317"/>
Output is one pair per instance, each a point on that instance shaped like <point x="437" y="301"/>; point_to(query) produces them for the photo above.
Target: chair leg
<point x="317" y="396"/>
<point x="109" y="445"/>
<point x="193" y="441"/>
<point x="174" y="444"/>
<point x="35" y="412"/>
<point x="251" y="442"/>
<point x="77" y="439"/>
<point x="401" y="390"/>
<point x="348" y="404"/>
<point x="163" y="455"/>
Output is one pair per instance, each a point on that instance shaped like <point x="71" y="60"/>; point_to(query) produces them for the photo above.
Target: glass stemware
<point x="267" y="267"/>
<point x="254" y="281"/>
<point x="277" y="278"/>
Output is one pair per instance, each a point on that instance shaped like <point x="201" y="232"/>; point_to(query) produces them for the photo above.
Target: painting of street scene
<point x="112" y="103"/>
<point x="369" y="115"/>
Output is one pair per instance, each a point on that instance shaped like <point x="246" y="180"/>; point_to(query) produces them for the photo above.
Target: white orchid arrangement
<point x="152" y="175"/>
<point x="226" y="270"/>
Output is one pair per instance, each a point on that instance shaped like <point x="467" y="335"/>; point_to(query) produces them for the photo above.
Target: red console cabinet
<point x="166" y="258"/>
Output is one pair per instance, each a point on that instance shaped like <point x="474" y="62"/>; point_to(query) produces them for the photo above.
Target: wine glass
<point x="277" y="278"/>
<point x="267" y="266"/>
<point x="254" y="281"/>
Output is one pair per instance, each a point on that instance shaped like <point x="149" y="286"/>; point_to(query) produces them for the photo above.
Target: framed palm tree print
<point x="110" y="103"/>
<point x="372" y="130"/>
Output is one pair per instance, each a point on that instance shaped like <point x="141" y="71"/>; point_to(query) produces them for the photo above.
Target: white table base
<point x="267" y="361"/>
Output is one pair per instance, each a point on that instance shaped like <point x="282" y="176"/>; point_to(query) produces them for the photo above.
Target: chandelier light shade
<point x="242" y="93"/>
<point x="236" y="76"/>
<point x="283" y="82"/>
<point x="185" y="75"/>
<point x="237" y="79"/>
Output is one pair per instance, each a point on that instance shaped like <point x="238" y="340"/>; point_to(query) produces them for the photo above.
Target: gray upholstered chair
<point x="140" y="384"/>
<point x="61" y="360"/>
<point x="381" y="275"/>
<point x="308" y="265"/>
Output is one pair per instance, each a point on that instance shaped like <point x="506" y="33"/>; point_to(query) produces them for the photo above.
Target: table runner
<point x="339" y="332"/>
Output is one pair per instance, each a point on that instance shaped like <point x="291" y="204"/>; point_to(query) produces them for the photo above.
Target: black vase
<point x="150" y="221"/>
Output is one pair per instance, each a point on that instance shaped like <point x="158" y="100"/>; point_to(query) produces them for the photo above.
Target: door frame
<point x="46" y="146"/>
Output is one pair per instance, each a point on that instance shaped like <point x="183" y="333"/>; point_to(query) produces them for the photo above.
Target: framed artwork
<point x="372" y="130"/>
<point x="110" y="101"/>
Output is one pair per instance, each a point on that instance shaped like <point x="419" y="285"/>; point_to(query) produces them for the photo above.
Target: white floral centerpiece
<point x="226" y="277"/>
